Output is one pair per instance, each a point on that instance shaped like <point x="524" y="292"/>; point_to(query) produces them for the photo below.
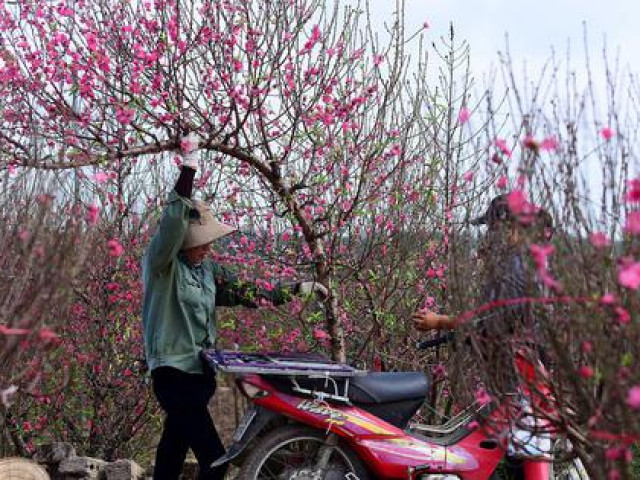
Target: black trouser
<point x="184" y="398"/>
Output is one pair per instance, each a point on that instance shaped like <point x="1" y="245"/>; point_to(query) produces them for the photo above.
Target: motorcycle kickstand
<point x="323" y="456"/>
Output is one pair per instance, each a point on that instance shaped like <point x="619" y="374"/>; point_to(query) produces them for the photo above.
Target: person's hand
<point x="308" y="288"/>
<point x="427" y="320"/>
<point x="189" y="146"/>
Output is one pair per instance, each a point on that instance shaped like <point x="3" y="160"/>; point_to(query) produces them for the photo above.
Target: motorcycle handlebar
<point x="435" y="342"/>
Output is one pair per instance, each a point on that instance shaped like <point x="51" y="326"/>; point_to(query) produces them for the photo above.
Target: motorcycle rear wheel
<point x="289" y="451"/>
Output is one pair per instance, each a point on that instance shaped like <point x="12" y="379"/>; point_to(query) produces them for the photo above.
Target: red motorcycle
<point x="313" y="419"/>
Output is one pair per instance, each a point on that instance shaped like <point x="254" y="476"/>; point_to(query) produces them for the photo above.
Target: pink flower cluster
<point x="540" y="254"/>
<point x="115" y="248"/>
<point x="629" y="274"/>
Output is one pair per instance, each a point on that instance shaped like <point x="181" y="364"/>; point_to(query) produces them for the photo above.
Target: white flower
<point x="6" y="395"/>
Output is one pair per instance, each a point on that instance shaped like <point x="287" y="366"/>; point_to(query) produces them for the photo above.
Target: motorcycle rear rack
<point x="290" y="366"/>
<point x="278" y="364"/>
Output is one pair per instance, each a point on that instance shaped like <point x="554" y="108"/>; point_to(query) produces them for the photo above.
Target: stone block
<point x="189" y="470"/>
<point x="85" y="468"/>
<point x="54" y="453"/>
<point x="123" y="470"/>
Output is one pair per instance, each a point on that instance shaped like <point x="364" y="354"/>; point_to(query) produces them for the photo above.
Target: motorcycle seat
<point x="387" y="387"/>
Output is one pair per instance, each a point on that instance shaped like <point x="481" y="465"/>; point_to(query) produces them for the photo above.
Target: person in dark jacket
<point x="506" y="275"/>
<point x="508" y="283"/>
<point x="182" y="289"/>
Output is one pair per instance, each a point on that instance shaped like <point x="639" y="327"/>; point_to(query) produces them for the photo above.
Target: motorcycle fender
<point x="254" y="420"/>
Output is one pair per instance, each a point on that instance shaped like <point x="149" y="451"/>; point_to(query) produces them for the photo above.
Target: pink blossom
<point x="607" y="133"/>
<point x="613" y="453"/>
<point x="632" y="225"/>
<point x="624" y="317"/>
<point x="439" y="371"/>
<point x="501" y="144"/>
<point x="115" y="248"/>
<point x="624" y="373"/>
<point x="93" y="212"/>
<point x="585" y="371"/>
<point x="586" y="347"/>
<point x="517" y="201"/>
<point x="429" y="302"/>
<point x="502" y="182"/>
<point x="378" y="59"/>
<point x="482" y="397"/>
<point x="101" y="177"/>
<point x="599" y="240"/>
<point x="65" y="11"/>
<point x="395" y="149"/>
<point x="125" y="115"/>
<point x="531" y="143"/>
<point x="629" y="275"/>
<point x="189" y="143"/>
<point x="608" y="299"/>
<point x="633" y="397"/>
<point x="549" y="144"/>
<point x="540" y="254"/>
<point x="48" y="335"/>
<point x="320" y="334"/>
<point x="468" y="177"/>
<point x="313" y="39"/>
<point x="425" y="25"/>
<point x="463" y="115"/>
<point x="633" y="193"/>
<point x="496" y="158"/>
<point x="92" y="41"/>
<point x="356" y="55"/>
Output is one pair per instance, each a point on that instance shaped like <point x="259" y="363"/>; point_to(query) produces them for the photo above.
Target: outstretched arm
<point x="232" y="291"/>
<point x="428" y="320"/>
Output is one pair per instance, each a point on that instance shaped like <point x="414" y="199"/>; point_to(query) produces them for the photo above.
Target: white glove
<point x="189" y="146"/>
<point x="308" y="288"/>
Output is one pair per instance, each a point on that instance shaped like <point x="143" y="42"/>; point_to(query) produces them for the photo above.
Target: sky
<point x="534" y="27"/>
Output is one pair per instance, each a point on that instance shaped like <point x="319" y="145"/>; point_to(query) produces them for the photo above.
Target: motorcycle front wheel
<point x="291" y="452"/>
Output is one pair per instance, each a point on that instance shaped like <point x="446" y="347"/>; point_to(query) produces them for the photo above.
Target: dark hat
<point x="498" y="211"/>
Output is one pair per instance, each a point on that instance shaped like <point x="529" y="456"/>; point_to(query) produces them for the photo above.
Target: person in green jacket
<point x="182" y="288"/>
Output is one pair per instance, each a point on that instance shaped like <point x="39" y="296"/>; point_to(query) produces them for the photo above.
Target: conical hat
<point x="203" y="227"/>
<point x="21" y="469"/>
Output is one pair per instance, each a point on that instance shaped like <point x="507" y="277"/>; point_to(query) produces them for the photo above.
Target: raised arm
<point x="166" y="243"/>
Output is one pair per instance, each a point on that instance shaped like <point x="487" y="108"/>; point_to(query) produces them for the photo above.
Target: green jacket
<point x="180" y="299"/>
